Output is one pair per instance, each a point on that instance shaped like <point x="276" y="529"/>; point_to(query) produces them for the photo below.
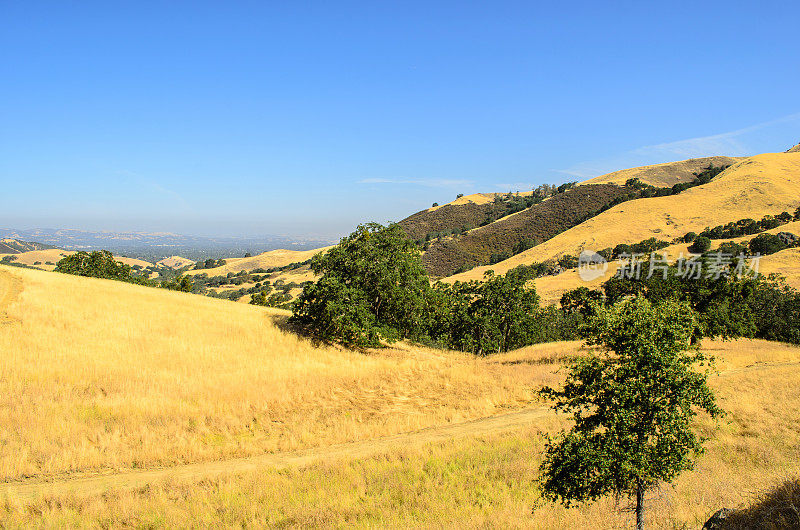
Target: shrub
<point x="434" y="205"/>
<point x="699" y="245"/>
<point x="689" y="237"/>
<point x="765" y="244"/>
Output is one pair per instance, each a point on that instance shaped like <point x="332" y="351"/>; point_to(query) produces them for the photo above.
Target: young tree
<point x="632" y="404"/>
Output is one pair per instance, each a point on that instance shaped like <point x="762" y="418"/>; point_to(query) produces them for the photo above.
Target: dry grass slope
<point x="762" y="185"/>
<point x="265" y="260"/>
<point x="100" y="375"/>
<point x="664" y="175"/>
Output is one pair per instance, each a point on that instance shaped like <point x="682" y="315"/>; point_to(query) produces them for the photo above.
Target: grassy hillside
<point x="762" y="185"/>
<point x="47" y="259"/>
<point x="539" y="222"/>
<point x="467" y="211"/>
<point x="104" y="375"/>
<point x="785" y="262"/>
<point x="126" y="377"/>
<point x="665" y="175"/>
<point x="265" y="260"/>
<point x="16" y="246"/>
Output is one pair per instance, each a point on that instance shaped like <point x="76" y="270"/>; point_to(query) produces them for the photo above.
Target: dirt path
<point x="10" y="288"/>
<point x="27" y="492"/>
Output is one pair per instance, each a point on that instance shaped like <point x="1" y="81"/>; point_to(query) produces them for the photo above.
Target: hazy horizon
<point x="302" y="121"/>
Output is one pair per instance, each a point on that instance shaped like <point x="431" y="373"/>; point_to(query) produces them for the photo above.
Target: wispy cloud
<point x="515" y="186"/>
<point x="154" y="186"/>
<point x="430" y="183"/>
<point x="730" y="143"/>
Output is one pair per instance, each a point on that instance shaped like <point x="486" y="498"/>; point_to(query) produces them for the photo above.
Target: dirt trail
<point x="27" y="492"/>
<point x="10" y="289"/>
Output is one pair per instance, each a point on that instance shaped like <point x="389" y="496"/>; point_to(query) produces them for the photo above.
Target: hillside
<point x="539" y="222"/>
<point x="175" y="262"/>
<point x="667" y="174"/>
<point x="785" y="262"/>
<point x="17" y="246"/>
<point x="466" y="211"/>
<point x="115" y="433"/>
<point x="265" y="260"/>
<point x="90" y="363"/>
<point x="47" y="259"/>
<point x="761" y="185"/>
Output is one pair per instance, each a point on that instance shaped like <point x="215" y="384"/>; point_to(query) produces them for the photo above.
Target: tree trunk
<point x="639" y="505"/>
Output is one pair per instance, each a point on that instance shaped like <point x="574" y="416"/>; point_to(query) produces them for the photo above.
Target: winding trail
<point x="29" y="491"/>
<point x="10" y="289"/>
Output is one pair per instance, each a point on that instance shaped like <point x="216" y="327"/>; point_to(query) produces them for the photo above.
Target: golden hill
<point x="265" y="260"/>
<point x="107" y="377"/>
<point x="761" y="185"/>
<point x="47" y="259"/>
<point x="664" y="175"/>
<point x="785" y="263"/>
<point x="175" y="262"/>
<point x="116" y="376"/>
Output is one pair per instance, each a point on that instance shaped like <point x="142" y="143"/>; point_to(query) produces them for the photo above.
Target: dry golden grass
<point x="762" y="185"/>
<point x="664" y="175"/>
<point x="175" y="262"/>
<point x="53" y="255"/>
<point x="785" y="262"/>
<point x="265" y="260"/>
<point x="484" y="482"/>
<point x="102" y="375"/>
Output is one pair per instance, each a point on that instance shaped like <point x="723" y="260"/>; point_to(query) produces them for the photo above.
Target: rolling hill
<point x="539" y="222"/>
<point x="765" y="184"/>
<point x="17" y="246"/>
<point x="265" y="260"/>
<point x="47" y="259"/>
<point x="667" y="174"/>
<point x="245" y="421"/>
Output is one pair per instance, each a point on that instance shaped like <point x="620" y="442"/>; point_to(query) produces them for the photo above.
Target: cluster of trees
<point x="210" y="263"/>
<point x="101" y="264"/>
<point x="373" y="289"/>
<point x="743" y="227"/>
<point x="729" y="300"/>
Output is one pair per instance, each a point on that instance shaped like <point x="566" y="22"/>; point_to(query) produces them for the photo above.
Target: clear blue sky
<point x="305" y="118"/>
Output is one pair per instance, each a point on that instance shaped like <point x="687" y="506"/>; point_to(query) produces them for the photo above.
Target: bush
<point x="699" y="245"/>
<point x="434" y="205"/>
<point x="765" y="244"/>
<point x="689" y="237"/>
<point x="797" y="214"/>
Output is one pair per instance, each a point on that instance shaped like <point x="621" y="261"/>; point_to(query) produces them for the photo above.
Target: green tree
<point x="97" y="264"/>
<point x="495" y="315"/>
<point x="700" y="244"/>
<point x="632" y="404"/>
<point x="372" y="289"/>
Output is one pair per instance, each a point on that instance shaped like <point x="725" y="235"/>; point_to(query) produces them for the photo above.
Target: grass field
<point x="101" y="376"/>
<point x="761" y="185"/>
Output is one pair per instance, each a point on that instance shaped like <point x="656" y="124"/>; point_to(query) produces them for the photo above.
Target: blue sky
<point x="306" y="118"/>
